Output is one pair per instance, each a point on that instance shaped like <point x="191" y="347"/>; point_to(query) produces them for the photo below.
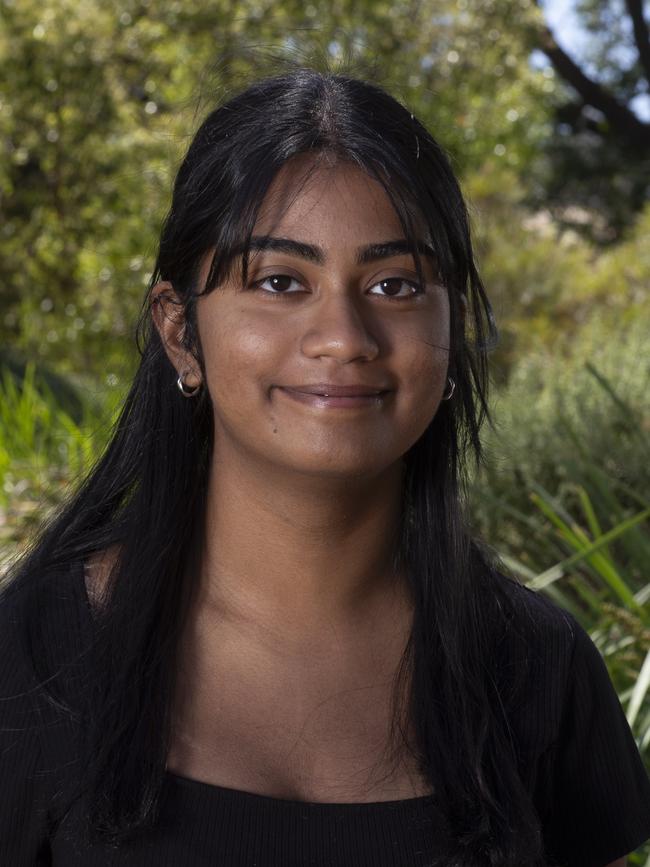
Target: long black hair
<point x="146" y="494"/>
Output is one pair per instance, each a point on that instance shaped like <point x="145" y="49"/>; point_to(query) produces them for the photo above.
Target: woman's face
<point x="336" y="303"/>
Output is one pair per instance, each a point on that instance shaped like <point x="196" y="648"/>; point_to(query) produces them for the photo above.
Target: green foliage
<point x="564" y="493"/>
<point x="602" y="579"/>
<point x="567" y="414"/>
<point x="598" y="159"/>
<point x="99" y="100"/>
<point x="563" y="497"/>
<point x="547" y="285"/>
<point x="44" y="452"/>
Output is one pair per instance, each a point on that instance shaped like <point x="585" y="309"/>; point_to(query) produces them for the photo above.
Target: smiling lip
<point x="325" y="389"/>
<point x="326" y="395"/>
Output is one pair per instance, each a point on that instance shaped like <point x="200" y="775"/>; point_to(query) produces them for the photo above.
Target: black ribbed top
<point x="202" y="825"/>
<point x="579" y="761"/>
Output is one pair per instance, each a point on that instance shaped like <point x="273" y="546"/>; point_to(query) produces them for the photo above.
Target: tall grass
<point x="44" y="450"/>
<point x="565" y="499"/>
<point x="597" y="580"/>
<point x="572" y="503"/>
<point x="601" y="589"/>
<point x="578" y="532"/>
<point x="563" y="416"/>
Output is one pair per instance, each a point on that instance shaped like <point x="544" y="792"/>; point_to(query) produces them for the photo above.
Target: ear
<point x="167" y="312"/>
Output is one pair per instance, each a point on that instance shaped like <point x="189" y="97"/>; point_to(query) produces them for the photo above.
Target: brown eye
<point x="397" y="287"/>
<point x="277" y="284"/>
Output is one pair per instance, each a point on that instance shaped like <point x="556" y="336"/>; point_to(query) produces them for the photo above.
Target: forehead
<point x="333" y="203"/>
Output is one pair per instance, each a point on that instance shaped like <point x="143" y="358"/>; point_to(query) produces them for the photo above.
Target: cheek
<point x="423" y="362"/>
<point x="424" y="352"/>
<point x="238" y="357"/>
<point x="425" y="386"/>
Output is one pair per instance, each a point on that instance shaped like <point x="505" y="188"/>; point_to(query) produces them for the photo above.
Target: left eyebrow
<point x="365" y="255"/>
<point x="388" y="249"/>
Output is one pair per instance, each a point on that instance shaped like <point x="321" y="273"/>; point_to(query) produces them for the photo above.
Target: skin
<point x="296" y="583"/>
<point x="297" y="596"/>
<point x="312" y="486"/>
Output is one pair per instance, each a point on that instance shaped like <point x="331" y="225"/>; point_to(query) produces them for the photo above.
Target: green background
<point x="98" y="102"/>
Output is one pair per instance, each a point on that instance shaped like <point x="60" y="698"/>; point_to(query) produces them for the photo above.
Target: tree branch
<point x="641" y="34"/>
<point x="623" y="121"/>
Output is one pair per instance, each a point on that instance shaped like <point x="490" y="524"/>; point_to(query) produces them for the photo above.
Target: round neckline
<point x="272" y="800"/>
<point x="257" y="797"/>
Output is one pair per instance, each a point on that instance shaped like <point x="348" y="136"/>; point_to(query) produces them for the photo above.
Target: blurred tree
<point x="98" y="100"/>
<point x="547" y="283"/>
<point x="599" y="162"/>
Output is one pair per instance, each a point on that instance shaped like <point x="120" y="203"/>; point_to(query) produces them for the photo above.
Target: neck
<point x="295" y="554"/>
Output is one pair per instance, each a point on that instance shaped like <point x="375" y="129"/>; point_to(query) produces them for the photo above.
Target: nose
<point x="338" y="329"/>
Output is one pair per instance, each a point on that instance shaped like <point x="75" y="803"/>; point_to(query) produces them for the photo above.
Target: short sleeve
<point x="600" y="791"/>
<point x="23" y="803"/>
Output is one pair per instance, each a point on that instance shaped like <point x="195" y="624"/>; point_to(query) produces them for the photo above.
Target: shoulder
<point x="41" y="662"/>
<point x="590" y="785"/>
<point x="533" y="608"/>
<point x="41" y="627"/>
<point x="546" y="631"/>
<point x="539" y="646"/>
<point x="43" y="618"/>
<point x="15" y="677"/>
<point x="28" y="782"/>
<point x="556" y="643"/>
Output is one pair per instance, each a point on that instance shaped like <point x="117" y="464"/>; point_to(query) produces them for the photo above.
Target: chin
<point x="342" y="466"/>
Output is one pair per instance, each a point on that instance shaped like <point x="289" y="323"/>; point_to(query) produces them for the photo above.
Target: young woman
<point x="260" y="633"/>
